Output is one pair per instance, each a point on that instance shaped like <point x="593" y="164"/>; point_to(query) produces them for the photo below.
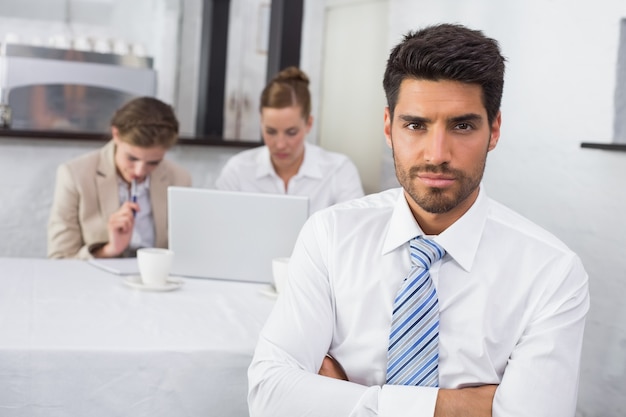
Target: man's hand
<point x="465" y="402"/>
<point x="120" y="227"/>
<point x="332" y="369"/>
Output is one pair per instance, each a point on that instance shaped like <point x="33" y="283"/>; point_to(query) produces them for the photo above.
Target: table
<point x="76" y="341"/>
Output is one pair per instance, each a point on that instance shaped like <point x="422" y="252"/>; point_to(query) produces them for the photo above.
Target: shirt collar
<point x="142" y="187"/>
<point x="264" y="166"/>
<point x="402" y="225"/>
<point x="310" y="164"/>
<point x="460" y="240"/>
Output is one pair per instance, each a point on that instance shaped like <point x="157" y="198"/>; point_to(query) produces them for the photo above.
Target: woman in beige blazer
<point x="93" y="213"/>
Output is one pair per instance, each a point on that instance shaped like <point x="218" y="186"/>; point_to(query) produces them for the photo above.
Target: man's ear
<point x="387" y="128"/>
<point x="495" y="132"/>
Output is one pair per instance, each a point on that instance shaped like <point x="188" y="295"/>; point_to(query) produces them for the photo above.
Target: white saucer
<point x="134" y="281"/>
<point x="269" y="292"/>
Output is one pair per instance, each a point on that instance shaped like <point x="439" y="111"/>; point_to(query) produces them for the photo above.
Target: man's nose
<point x="437" y="147"/>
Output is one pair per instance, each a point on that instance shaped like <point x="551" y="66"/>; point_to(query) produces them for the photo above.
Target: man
<point x="96" y="213"/>
<point x="499" y="328"/>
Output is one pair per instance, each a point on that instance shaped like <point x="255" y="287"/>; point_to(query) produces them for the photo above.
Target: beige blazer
<point x="86" y="194"/>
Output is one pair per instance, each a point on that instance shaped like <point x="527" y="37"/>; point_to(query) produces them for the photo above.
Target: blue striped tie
<point x="413" y="353"/>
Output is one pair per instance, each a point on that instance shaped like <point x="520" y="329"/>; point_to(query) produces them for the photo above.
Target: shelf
<point x="620" y="147"/>
<point x="72" y="135"/>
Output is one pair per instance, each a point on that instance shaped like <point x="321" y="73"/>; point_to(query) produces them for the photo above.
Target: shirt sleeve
<point x="541" y="376"/>
<point x="347" y="182"/>
<point x="64" y="234"/>
<point x="228" y="178"/>
<point x="283" y="379"/>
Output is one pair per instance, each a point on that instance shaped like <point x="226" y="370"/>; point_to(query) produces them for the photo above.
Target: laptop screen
<point x="231" y="235"/>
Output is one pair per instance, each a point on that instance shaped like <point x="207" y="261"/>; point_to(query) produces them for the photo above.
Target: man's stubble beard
<point x="435" y="200"/>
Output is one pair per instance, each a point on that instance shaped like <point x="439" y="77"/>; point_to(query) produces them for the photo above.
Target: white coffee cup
<point x="280" y="273"/>
<point x="154" y="265"/>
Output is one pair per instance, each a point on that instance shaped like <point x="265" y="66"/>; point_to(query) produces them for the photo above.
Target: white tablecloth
<point x="75" y="341"/>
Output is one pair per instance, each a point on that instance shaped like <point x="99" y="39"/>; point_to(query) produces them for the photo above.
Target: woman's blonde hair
<point x="146" y="122"/>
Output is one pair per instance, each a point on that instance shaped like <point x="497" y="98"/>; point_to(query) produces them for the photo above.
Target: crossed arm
<point x="465" y="402"/>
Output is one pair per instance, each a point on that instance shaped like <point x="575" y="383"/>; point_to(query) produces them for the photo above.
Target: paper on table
<point x="119" y="266"/>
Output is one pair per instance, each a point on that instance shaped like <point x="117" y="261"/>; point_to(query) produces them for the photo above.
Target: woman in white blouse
<point x="287" y="164"/>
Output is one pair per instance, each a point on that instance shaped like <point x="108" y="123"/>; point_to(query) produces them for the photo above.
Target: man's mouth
<point x="436" y="180"/>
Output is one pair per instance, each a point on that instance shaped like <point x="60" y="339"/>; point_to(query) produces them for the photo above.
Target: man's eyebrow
<point x="413" y="119"/>
<point x="469" y="117"/>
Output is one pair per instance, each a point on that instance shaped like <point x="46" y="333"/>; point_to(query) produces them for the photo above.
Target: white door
<point x="352" y="100"/>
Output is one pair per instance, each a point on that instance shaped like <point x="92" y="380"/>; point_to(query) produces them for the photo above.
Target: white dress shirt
<point x="512" y="299"/>
<point x="143" y="232"/>
<point x="327" y="178"/>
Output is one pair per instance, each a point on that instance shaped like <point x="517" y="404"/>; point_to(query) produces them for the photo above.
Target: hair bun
<point x="292" y="74"/>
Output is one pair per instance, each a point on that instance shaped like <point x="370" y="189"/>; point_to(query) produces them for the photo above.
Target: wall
<point x="559" y="92"/>
<point x="619" y="130"/>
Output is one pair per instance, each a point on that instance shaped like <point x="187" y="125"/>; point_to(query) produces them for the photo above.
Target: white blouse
<point x="325" y="177"/>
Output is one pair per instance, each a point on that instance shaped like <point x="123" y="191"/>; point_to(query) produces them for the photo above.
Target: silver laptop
<point x="231" y="235"/>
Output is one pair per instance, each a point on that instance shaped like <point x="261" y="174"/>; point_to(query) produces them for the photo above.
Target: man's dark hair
<point x="447" y="52"/>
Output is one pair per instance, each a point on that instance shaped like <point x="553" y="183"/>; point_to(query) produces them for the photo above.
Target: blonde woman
<point x="287" y="164"/>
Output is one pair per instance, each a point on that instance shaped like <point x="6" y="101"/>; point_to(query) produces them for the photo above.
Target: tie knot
<point x="425" y="252"/>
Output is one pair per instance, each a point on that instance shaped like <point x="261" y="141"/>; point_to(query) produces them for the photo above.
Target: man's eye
<point x="464" y="126"/>
<point x="415" y="126"/>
